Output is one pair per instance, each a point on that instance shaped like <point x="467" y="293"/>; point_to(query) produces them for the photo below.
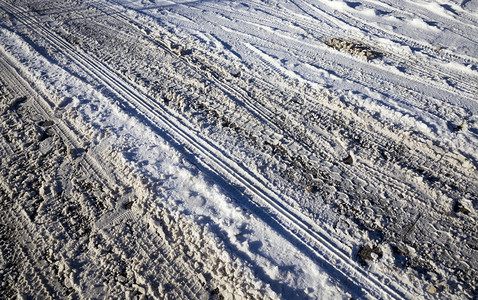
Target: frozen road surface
<point x="263" y="149"/>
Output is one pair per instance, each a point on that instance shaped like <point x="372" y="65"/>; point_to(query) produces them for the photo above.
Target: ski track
<point x="402" y="82"/>
<point x="254" y="107"/>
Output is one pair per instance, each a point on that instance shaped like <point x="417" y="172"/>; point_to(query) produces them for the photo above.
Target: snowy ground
<point x="239" y="149"/>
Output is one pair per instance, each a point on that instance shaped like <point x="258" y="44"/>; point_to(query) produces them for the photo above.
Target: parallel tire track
<point x="310" y="58"/>
<point x="46" y="285"/>
<point x="260" y="111"/>
<point x="310" y="103"/>
<point x="217" y="161"/>
<point x="313" y="27"/>
<point x="413" y="159"/>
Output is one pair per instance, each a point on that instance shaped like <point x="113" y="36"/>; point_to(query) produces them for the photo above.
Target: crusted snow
<point x="239" y="149"/>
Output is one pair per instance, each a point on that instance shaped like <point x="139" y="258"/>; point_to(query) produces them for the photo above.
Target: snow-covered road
<point x="239" y="149"/>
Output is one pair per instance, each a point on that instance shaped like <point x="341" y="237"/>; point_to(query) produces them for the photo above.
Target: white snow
<point x="246" y="149"/>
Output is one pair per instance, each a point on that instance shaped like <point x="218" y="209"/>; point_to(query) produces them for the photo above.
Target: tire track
<point x="43" y="108"/>
<point x="351" y="21"/>
<point x="161" y="260"/>
<point x="314" y="108"/>
<point x="384" y="88"/>
<point x="256" y="105"/>
<point x="45" y="285"/>
<point x="314" y="27"/>
<point x="46" y="108"/>
<point x="38" y="283"/>
<point x="414" y="161"/>
<point x="457" y="15"/>
<point x="259" y="111"/>
<point x="406" y="89"/>
<point x="216" y="161"/>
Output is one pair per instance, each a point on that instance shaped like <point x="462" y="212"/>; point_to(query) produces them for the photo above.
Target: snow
<point x="239" y="149"/>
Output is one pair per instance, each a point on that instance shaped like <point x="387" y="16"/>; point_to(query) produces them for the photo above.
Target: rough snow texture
<point x="259" y="149"/>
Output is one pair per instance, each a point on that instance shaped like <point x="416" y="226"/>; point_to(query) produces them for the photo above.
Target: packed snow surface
<point x="263" y="149"/>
